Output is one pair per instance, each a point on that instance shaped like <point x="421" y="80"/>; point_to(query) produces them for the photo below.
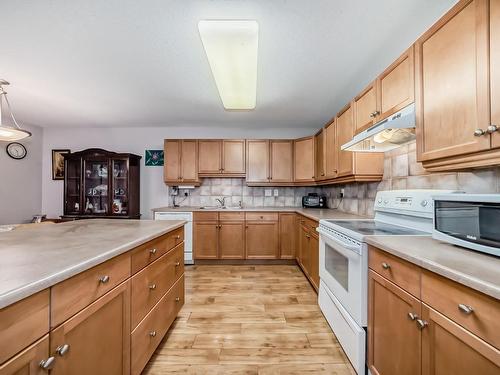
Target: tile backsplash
<point x="401" y="171"/>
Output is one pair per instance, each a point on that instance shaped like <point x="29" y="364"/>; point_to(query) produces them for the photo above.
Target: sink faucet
<point x="222" y="201"/>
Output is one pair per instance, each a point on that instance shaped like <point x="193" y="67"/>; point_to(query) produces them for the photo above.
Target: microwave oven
<point x="468" y="220"/>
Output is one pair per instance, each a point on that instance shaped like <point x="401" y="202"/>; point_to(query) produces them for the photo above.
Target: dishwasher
<point x="188" y="230"/>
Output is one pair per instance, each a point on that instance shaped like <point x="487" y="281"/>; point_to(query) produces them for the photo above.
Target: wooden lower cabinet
<point x="28" y="361"/>
<point x="232" y="240"/>
<point x="287" y="235"/>
<point x="314" y="259"/>
<point x="304" y="260"/>
<point x="205" y="239"/>
<point x="308" y="250"/>
<point x="261" y="239"/>
<point x="97" y="338"/>
<point x="393" y="337"/>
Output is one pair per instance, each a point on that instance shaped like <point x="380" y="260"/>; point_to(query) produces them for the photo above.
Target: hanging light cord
<point x="4" y="93"/>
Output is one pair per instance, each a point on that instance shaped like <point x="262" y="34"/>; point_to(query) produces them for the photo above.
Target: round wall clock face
<point x="16" y="151"/>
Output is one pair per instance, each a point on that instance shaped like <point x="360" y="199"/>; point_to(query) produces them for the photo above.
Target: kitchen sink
<point x="220" y="208"/>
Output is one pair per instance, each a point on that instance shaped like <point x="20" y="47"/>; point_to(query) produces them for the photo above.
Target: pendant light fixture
<point x="9" y="133"/>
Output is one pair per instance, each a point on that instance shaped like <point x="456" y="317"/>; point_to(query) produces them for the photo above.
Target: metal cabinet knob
<point x="177" y="299"/>
<point x="177" y="264"/>
<point x="177" y="237"/>
<point x="152" y="333"/>
<point x="386" y="266"/>
<point x="492" y="128"/>
<point x="104" y="279"/>
<point x="412" y="316"/>
<point x="466" y="309"/>
<point x="152" y="251"/>
<point x="479" y="132"/>
<point x="421" y="324"/>
<point x="152" y="287"/>
<point x="62" y="350"/>
<point x="47" y="364"/>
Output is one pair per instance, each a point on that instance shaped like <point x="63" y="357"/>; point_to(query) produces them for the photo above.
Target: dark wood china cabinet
<point x="101" y="184"/>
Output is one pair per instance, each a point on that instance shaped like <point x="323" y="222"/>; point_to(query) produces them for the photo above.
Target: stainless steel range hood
<point x="385" y="135"/>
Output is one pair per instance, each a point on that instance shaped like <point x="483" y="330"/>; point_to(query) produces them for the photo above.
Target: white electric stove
<point x="343" y="263"/>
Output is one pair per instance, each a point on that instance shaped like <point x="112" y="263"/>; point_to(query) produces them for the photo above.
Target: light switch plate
<point x="275" y="192"/>
<point x="268" y="193"/>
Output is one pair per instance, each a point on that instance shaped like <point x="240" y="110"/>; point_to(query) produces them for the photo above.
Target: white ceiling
<point x="118" y="63"/>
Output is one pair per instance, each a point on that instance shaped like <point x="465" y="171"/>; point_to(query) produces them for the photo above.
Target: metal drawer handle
<point x="412" y="316"/>
<point x="47" y="364"/>
<point x="386" y="266"/>
<point x="62" y="350"/>
<point x="152" y="251"/>
<point x="177" y="264"/>
<point x="466" y="309"/>
<point x="421" y="324"/>
<point x="152" y="333"/>
<point x="104" y="279"/>
<point x="177" y="299"/>
<point x="178" y="237"/>
<point x="152" y="287"/>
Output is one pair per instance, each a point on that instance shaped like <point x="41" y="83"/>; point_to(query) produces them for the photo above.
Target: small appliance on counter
<point x="313" y="200"/>
<point x="468" y="220"/>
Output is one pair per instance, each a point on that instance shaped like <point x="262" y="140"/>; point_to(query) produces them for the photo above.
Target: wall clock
<point x="16" y="151"/>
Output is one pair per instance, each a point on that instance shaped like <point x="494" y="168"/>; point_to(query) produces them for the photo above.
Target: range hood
<point x="385" y="135"/>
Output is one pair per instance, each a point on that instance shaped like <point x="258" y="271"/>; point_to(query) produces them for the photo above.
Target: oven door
<point x="343" y="268"/>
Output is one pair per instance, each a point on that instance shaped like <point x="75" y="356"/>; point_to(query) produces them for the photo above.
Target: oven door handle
<point x="345" y="245"/>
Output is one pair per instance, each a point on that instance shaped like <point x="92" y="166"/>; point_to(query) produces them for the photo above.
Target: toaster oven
<point x="313" y="200"/>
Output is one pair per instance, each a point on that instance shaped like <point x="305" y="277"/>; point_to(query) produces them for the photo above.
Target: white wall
<point x="20" y="181"/>
<point x="154" y="193"/>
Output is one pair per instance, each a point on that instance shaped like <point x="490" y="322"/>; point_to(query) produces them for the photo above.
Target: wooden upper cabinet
<point x="257" y="161"/>
<point x="209" y="156"/>
<point x="233" y="157"/>
<point x="189" y="166"/>
<point x="495" y="69"/>
<point x="452" y="98"/>
<point x="304" y="157"/>
<point x="172" y="156"/>
<point x="393" y="337"/>
<point x="365" y="108"/>
<point x="281" y="164"/>
<point x="345" y="132"/>
<point x="396" y="85"/>
<point x="331" y="160"/>
<point x="319" y="142"/>
<point x="181" y="161"/>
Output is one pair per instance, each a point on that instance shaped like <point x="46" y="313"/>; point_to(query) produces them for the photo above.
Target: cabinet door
<point x="281" y="161"/>
<point x="314" y="259"/>
<point x="452" y="87"/>
<point x="304" y="249"/>
<point x="331" y="161"/>
<point x="449" y="349"/>
<point x="345" y="133"/>
<point x="396" y="85"/>
<point x="262" y="240"/>
<point x="172" y="156"/>
<point x="304" y="159"/>
<point x="394" y="345"/>
<point x="257" y="161"/>
<point x="233" y="157"/>
<point x="495" y="70"/>
<point x="319" y="140"/>
<point x="205" y="239"/>
<point x="98" y="337"/>
<point x="365" y="108"/>
<point x="189" y="161"/>
<point x="28" y="361"/>
<point x="209" y="156"/>
<point x="287" y="235"/>
<point x="232" y="240"/>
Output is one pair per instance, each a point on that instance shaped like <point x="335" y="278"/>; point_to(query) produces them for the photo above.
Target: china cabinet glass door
<point x="96" y="199"/>
<point x="120" y="193"/>
<point x="73" y="180"/>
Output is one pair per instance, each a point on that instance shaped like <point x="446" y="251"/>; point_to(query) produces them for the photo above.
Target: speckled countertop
<point x="475" y="270"/>
<point x="311" y="213"/>
<point x="35" y="258"/>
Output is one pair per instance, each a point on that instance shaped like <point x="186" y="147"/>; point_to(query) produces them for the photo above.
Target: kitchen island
<point x="72" y="291"/>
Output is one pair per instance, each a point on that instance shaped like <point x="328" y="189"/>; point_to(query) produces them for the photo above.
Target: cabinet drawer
<point x="22" y="323"/>
<point x="258" y="216"/>
<point x="400" y="272"/>
<point x="72" y="295"/>
<point x="28" y="361"/>
<point x="310" y="224"/>
<point x="146" y="337"/>
<point x="150" y="284"/>
<point x="455" y="300"/>
<point x="152" y="250"/>
<point x="205" y="216"/>
<point x="232" y="216"/>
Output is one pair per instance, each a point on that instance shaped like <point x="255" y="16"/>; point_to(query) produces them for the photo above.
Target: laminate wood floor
<point x="249" y="320"/>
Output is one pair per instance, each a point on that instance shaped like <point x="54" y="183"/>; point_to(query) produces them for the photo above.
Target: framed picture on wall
<point x="58" y="164"/>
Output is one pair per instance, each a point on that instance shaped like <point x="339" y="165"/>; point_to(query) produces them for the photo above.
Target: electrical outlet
<point x="268" y="193"/>
<point x="276" y="192"/>
<point x="342" y="193"/>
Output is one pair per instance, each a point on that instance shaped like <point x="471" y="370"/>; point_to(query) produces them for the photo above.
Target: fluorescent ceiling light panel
<point x="231" y="47"/>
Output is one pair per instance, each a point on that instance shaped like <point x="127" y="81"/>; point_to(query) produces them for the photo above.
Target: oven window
<point x="337" y="266"/>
